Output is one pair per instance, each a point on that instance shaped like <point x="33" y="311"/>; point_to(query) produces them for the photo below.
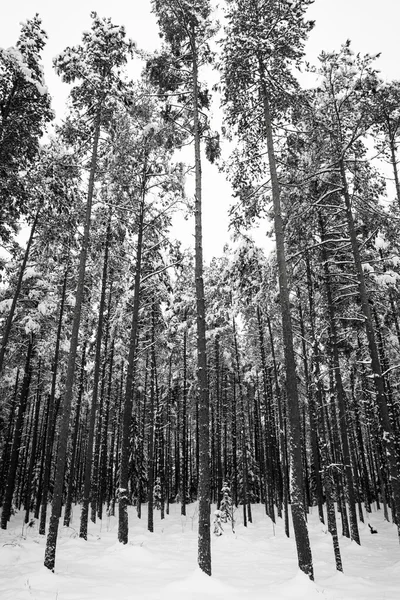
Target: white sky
<point x="372" y="26"/>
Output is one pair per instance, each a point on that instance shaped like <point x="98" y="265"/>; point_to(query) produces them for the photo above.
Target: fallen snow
<point x="253" y="563"/>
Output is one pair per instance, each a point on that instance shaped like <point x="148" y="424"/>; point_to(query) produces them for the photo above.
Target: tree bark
<point x="104" y="436"/>
<point x="150" y="448"/>
<point x="52" y="415"/>
<point x="204" y="533"/>
<point x="127" y="409"/>
<point x="51" y="543"/>
<point x="12" y="470"/>
<point x="184" y="427"/>
<point x="32" y="459"/>
<point x="93" y="409"/>
<point x="394" y="167"/>
<point x="297" y="484"/>
<point x="68" y="501"/>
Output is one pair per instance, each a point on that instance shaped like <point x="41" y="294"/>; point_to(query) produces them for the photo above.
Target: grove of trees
<point x="132" y="372"/>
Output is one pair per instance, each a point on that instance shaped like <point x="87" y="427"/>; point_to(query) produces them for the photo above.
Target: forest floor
<point x="253" y="563"/>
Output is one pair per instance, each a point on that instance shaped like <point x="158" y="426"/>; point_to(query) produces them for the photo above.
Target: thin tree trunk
<point x="167" y="452"/>
<point x="93" y="409"/>
<point x="243" y="432"/>
<point x="313" y="393"/>
<point x="394" y="167"/>
<point x="52" y="416"/>
<point x="42" y="443"/>
<point x="283" y="468"/>
<point x="184" y="429"/>
<point x="150" y="447"/>
<point x="115" y="445"/>
<point x="127" y="409"/>
<point x="330" y="506"/>
<point x="21" y="475"/>
<point x="104" y="435"/>
<point x="361" y="447"/>
<point x="297" y="484"/>
<point x="12" y="470"/>
<point x="269" y="500"/>
<point x="203" y="488"/>
<point x="218" y="420"/>
<point x="141" y="436"/>
<point x="336" y="447"/>
<point x="8" y="440"/>
<point x="32" y="460"/>
<point x="8" y="324"/>
<point x="234" y="468"/>
<point x="68" y="501"/>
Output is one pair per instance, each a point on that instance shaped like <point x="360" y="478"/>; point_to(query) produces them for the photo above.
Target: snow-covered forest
<point x="165" y="418"/>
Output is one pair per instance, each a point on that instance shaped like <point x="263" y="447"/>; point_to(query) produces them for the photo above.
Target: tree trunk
<point x="297" y="484"/>
<point x="150" y="447"/>
<point x="68" y="501"/>
<point x="127" y="409"/>
<point x="8" y="324"/>
<point x="142" y="435"/>
<point x="394" y="167"/>
<point x="104" y="436"/>
<point x="12" y="470"/>
<point x="203" y="488"/>
<point x="52" y="415"/>
<point x="243" y="433"/>
<point x="218" y="421"/>
<point x="314" y="392"/>
<point x="42" y="454"/>
<point x="168" y="444"/>
<point x="268" y="462"/>
<point x="340" y="393"/>
<point x="93" y="408"/>
<point x="32" y="459"/>
<point x="115" y="444"/>
<point x="330" y="506"/>
<point x="8" y="440"/>
<point x="282" y="466"/>
<point x="388" y="440"/>
<point x="184" y="428"/>
<point x="51" y="544"/>
<point x="234" y="465"/>
<point x="361" y="447"/>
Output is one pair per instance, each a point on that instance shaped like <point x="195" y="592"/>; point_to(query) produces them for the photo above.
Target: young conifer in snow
<point x="226" y="507"/>
<point x="157" y="494"/>
<point x="225" y="512"/>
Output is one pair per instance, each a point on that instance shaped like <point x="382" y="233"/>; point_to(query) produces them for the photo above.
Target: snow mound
<point x="299" y="586"/>
<point x="197" y="586"/>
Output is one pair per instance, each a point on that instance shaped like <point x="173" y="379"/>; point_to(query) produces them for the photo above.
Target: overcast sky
<point x="371" y="25"/>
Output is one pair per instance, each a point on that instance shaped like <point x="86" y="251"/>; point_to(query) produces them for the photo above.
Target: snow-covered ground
<point x="254" y="563"/>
